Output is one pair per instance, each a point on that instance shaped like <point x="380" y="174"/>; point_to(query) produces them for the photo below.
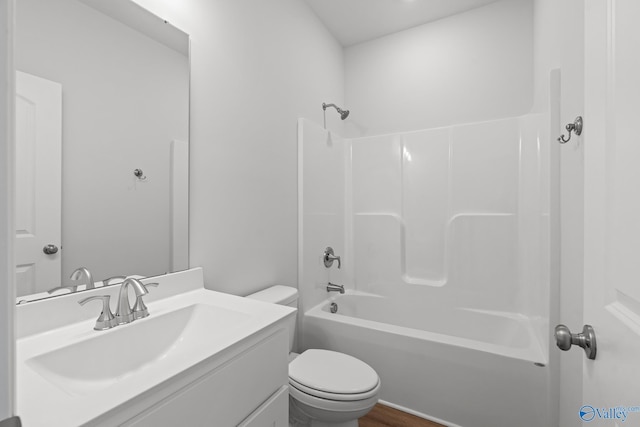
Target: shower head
<point x="343" y="113"/>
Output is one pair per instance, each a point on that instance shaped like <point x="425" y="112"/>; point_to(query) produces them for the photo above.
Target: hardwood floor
<point x="384" y="416"/>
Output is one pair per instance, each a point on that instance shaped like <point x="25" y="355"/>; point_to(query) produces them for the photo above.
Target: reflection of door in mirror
<point x="38" y="182"/>
<point x="125" y="74"/>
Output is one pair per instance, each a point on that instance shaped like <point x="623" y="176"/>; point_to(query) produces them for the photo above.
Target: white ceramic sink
<point x="107" y="357"/>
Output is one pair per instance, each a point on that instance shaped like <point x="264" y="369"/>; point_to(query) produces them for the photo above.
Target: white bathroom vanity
<point x="200" y="358"/>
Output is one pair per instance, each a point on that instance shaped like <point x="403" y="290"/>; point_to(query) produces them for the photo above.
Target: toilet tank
<point x="283" y="295"/>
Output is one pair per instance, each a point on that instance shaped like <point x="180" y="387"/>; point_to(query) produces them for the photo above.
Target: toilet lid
<point x="332" y="372"/>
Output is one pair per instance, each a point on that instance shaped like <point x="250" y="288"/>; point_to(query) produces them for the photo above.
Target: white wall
<point x="116" y="118"/>
<point x="7" y="232"/>
<point x="470" y="67"/>
<point x="559" y="43"/>
<point x="256" y="66"/>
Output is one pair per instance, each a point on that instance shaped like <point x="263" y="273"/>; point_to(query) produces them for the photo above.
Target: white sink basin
<point x="107" y="357"/>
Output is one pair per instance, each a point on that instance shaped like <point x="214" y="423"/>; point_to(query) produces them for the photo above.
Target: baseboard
<point x="417" y="414"/>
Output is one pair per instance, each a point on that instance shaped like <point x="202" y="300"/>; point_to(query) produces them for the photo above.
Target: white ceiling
<point x="355" y="21"/>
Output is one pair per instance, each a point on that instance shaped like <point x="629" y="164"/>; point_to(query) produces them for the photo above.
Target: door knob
<point x="587" y="339"/>
<point x="50" y="249"/>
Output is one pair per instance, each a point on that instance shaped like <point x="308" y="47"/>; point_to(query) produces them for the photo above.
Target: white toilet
<point x="326" y="388"/>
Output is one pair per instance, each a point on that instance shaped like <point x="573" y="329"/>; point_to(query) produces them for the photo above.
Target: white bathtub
<point x="458" y="366"/>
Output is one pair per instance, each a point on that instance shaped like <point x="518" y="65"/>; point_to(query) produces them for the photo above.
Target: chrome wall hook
<point x="575" y="127"/>
<point x="139" y="174"/>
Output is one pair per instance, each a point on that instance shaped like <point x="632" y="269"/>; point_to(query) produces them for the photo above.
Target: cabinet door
<point x="272" y="413"/>
<point x="227" y="395"/>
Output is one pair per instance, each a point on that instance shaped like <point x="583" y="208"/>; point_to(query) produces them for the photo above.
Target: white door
<point x="611" y="383"/>
<point x="38" y="183"/>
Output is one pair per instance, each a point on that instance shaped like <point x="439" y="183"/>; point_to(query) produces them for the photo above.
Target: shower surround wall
<point x="441" y="214"/>
<point x="437" y="220"/>
<point x="452" y="216"/>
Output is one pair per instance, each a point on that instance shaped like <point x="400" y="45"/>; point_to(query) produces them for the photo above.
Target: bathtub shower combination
<point x="444" y="238"/>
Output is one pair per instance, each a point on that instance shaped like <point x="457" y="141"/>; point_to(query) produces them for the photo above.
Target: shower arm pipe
<point x="325" y="106"/>
<point x="343" y="113"/>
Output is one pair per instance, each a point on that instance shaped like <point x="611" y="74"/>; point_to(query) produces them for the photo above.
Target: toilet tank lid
<point x="277" y="294"/>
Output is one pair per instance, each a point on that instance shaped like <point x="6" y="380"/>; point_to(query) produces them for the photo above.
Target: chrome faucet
<point x="83" y="273"/>
<point x="331" y="287"/>
<point x="79" y="273"/>
<point x="124" y="313"/>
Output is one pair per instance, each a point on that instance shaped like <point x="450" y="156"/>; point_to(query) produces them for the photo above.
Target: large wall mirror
<point x="102" y="128"/>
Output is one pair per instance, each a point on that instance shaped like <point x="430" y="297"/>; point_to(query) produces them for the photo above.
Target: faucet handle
<point x="140" y="310"/>
<point x="58" y="288"/>
<point x="329" y="257"/>
<point x="106" y="320"/>
<point x="107" y="282"/>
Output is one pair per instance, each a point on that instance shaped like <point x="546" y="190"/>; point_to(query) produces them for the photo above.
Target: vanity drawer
<point x="272" y="413"/>
<point x="229" y="394"/>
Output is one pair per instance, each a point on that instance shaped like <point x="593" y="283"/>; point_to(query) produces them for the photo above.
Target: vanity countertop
<point x="69" y="374"/>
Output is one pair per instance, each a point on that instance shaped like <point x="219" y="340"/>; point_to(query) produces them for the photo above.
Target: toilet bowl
<point x="326" y="388"/>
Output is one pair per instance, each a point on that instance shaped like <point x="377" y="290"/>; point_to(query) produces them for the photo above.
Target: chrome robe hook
<point x="139" y="174"/>
<point x="575" y="127"/>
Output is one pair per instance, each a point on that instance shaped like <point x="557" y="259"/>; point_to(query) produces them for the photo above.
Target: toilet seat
<point x="355" y="407"/>
<point x="333" y="376"/>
